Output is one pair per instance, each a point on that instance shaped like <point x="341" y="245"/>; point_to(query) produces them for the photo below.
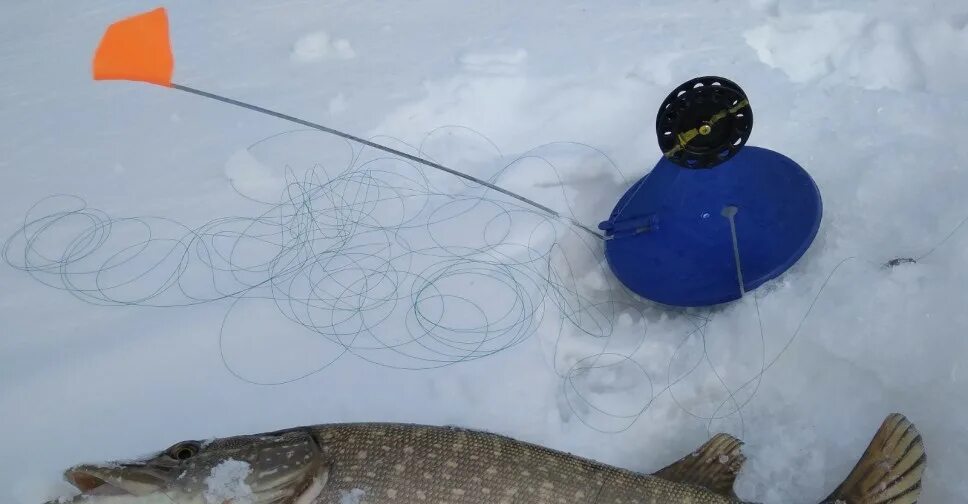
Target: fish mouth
<point x="90" y="484"/>
<point x="110" y="480"/>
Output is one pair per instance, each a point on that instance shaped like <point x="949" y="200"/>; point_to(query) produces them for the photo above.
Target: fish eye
<point x="183" y="451"/>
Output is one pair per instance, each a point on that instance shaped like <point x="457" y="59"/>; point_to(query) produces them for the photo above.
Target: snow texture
<point x="867" y="96"/>
<point x="859" y="49"/>
<point x="317" y="46"/>
<point x="354" y="496"/>
<point x="251" y="177"/>
<point x="227" y="483"/>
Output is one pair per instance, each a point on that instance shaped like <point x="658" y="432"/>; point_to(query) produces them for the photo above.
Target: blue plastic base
<point x="670" y="242"/>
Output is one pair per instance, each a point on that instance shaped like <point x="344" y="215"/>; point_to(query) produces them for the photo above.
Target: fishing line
<point x="374" y="259"/>
<point x="701" y="320"/>
<point x="343" y="251"/>
<point x="395" y="152"/>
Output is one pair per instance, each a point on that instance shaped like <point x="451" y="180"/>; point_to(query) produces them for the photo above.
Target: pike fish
<point x="381" y="463"/>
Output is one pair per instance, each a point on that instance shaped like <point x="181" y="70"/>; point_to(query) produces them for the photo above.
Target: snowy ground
<point x="868" y="96"/>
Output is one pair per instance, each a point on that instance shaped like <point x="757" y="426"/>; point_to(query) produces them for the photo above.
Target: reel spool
<point x="704" y="122"/>
<point x="715" y="218"/>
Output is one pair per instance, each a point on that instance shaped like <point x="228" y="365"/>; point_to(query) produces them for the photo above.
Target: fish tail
<point x="890" y="470"/>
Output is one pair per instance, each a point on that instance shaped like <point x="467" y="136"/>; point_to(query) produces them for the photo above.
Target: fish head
<point x="280" y="468"/>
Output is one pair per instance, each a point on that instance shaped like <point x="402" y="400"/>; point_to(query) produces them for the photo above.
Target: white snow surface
<point x="867" y="96"/>
<point x="227" y="483"/>
<point x="317" y="46"/>
<point x="353" y="496"/>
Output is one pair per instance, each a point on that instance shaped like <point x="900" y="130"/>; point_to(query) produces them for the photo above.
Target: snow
<point x="253" y="178"/>
<point x="226" y="483"/>
<point x="354" y="496"/>
<point x="858" y="49"/>
<point x="865" y="95"/>
<point x="317" y="46"/>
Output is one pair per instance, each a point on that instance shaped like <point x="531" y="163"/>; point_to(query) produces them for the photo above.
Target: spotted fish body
<point x="380" y="463"/>
<point x="386" y="463"/>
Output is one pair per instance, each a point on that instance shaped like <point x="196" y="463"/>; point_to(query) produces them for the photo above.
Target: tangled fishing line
<point x="401" y="268"/>
<point x="340" y="254"/>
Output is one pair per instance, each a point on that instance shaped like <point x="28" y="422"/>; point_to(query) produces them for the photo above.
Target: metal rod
<point x="384" y="148"/>
<point x="730" y="214"/>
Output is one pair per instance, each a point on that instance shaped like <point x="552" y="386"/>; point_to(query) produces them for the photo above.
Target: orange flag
<point x="137" y="49"/>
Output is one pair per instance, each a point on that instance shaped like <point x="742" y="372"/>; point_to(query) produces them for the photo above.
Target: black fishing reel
<point x="704" y="122"/>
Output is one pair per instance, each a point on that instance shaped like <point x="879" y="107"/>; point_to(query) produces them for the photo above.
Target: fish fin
<point x="889" y="471"/>
<point x="714" y="465"/>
